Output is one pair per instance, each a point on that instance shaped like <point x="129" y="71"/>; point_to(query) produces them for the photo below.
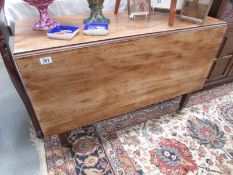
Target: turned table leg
<point x="184" y="100"/>
<point x="64" y="139"/>
<point x="172" y="12"/>
<point x="117" y="5"/>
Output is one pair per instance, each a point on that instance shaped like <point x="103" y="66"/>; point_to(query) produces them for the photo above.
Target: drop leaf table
<point x="92" y="78"/>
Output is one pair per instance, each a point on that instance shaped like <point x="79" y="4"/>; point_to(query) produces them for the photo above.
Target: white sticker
<point x="46" y="60"/>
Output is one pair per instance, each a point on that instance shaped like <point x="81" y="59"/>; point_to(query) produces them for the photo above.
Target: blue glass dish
<point x="95" y="26"/>
<point x="63" y="32"/>
<point x="96" y="29"/>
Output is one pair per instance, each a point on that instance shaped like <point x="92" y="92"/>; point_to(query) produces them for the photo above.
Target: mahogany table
<point x="91" y="78"/>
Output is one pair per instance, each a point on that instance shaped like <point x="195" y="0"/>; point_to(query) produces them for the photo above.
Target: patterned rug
<point x="154" y="140"/>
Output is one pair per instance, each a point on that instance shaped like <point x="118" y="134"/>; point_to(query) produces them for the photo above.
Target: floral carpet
<point x="153" y="141"/>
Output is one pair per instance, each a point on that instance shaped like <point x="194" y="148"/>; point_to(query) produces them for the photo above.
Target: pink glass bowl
<point x="44" y="23"/>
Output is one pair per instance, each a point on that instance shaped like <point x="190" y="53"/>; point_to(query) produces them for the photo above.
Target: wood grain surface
<point x="30" y="42"/>
<point x="89" y="84"/>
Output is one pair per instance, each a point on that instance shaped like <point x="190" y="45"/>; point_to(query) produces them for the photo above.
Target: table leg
<point x="172" y="12"/>
<point x="184" y="100"/>
<point x="117" y="5"/>
<point x="64" y="139"/>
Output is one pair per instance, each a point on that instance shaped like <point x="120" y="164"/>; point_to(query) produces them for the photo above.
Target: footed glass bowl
<point x="44" y="23"/>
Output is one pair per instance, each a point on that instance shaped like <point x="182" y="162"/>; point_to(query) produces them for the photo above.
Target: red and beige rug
<point x="153" y="141"/>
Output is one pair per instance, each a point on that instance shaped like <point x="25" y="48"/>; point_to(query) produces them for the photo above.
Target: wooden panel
<point x="223" y="62"/>
<point x="213" y="84"/>
<point x="27" y="40"/>
<point x="226" y="13"/>
<point x="227" y="47"/>
<point x="90" y="84"/>
<point x="220" y="68"/>
<point x="231" y="71"/>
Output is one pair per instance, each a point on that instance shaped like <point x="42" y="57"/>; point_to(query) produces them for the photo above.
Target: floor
<point x="19" y="147"/>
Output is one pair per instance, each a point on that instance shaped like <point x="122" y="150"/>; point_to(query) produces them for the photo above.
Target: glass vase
<point x="96" y="15"/>
<point x="45" y="22"/>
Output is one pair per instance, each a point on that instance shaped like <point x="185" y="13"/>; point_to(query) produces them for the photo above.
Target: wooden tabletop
<point x="28" y="41"/>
